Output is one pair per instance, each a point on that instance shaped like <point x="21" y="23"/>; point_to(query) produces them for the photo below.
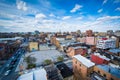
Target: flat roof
<point x="101" y="56"/>
<point x="77" y="43"/>
<point x="80" y="47"/>
<point x="59" y="39"/>
<point x="107" y="40"/>
<point x="114" y="50"/>
<point x="64" y="70"/>
<point x="15" y="38"/>
<point x="37" y="74"/>
<point x="84" y="61"/>
<point x="66" y="41"/>
<point x="114" y="71"/>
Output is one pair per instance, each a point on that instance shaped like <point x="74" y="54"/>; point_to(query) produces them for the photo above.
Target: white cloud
<point x="105" y="18"/>
<point x="21" y="5"/>
<point x="105" y="1"/>
<point x="48" y="21"/>
<point x="91" y="18"/>
<point x="46" y="25"/>
<point x="52" y="15"/>
<point x="7" y="15"/>
<point x="103" y="23"/>
<point x="66" y="17"/>
<point x="77" y="7"/>
<point x="100" y="10"/>
<point x="117" y="9"/>
<point x="40" y="16"/>
<point x="79" y="18"/>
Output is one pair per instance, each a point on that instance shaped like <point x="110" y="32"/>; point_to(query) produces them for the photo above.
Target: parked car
<point x="7" y="72"/>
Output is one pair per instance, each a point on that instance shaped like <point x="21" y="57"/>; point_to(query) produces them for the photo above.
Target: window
<point x="111" y="79"/>
<point x="104" y="75"/>
<point x="76" y="62"/>
<point x="99" y="72"/>
<point x="80" y="64"/>
<point x="75" y="67"/>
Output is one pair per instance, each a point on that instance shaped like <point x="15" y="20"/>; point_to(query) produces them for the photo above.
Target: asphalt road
<point x="11" y="65"/>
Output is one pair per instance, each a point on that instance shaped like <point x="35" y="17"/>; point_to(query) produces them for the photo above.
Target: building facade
<point x="82" y="67"/>
<point x="99" y="59"/>
<point x="90" y="40"/>
<point x="108" y="72"/>
<point x="72" y="51"/>
<point x="106" y="43"/>
<point x="33" y="46"/>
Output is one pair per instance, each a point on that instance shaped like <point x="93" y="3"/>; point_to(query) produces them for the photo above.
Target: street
<point x="7" y="72"/>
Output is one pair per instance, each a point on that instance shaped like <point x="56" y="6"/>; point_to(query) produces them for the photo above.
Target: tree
<point x="30" y="66"/>
<point x="47" y="61"/>
<point x="30" y="60"/>
<point x="60" y="58"/>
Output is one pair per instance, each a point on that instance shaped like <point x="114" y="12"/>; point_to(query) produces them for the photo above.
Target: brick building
<point x="99" y="59"/>
<point x="76" y="50"/>
<point x="108" y="72"/>
<point x="82" y="67"/>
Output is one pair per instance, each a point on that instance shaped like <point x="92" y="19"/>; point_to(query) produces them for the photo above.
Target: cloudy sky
<point x="56" y="15"/>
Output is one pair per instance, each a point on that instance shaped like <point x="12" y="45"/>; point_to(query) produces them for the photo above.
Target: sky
<point x="59" y="15"/>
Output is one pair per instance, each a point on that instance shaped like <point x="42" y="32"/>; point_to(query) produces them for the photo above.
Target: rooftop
<point x="114" y="50"/>
<point x="84" y="61"/>
<point x="80" y="47"/>
<point x="102" y="56"/>
<point x="107" y="40"/>
<point x="37" y="74"/>
<point x="46" y="47"/>
<point x="64" y="70"/>
<point x="114" y="71"/>
<point x="15" y="38"/>
<point x="97" y="76"/>
<point x="53" y="73"/>
<point x="59" y="39"/>
<point x="77" y="43"/>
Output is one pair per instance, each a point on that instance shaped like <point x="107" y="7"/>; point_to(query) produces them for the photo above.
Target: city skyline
<point x="55" y="15"/>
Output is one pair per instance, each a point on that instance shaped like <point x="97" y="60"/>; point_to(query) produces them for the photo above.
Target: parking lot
<point x="43" y="55"/>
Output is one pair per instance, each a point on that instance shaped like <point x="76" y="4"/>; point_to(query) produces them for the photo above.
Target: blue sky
<point x="56" y="15"/>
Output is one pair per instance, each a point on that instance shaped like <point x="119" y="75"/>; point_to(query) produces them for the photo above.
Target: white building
<point x="37" y="74"/>
<point x="104" y="44"/>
